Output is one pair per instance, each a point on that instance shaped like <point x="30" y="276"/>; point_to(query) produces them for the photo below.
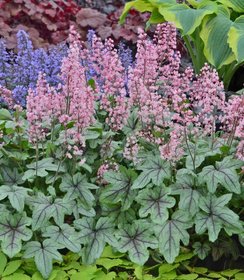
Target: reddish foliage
<point x="48" y="22"/>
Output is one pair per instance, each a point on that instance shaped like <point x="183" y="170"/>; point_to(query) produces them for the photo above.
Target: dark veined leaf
<point x="64" y="235"/>
<point x="155" y="201"/>
<point x="135" y="238"/>
<point x="189" y="198"/>
<point x="13" y="229"/>
<point x="120" y="188"/>
<point x="77" y="187"/>
<point x="215" y="215"/>
<point x="154" y="169"/>
<point x="94" y="236"/>
<point x="41" y="167"/>
<point x="45" y="208"/>
<point x="224" y="173"/>
<point x="170" y="234"/>
<point x="11" y="176"/>
<point x="201" y="249"/>
<point x="132" y="123"/>
<point x="16" y="196"/>
<point x="117" y="215"/>
<point x="44" y="253"/>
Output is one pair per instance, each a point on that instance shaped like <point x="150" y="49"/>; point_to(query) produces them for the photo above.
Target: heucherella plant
<point x="130" y="156"/>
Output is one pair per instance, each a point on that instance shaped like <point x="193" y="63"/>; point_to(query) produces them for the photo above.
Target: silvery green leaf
<point x="44" y="253"/>
<point x="154" y="170"/>
<point x="11" y="176"/>
<point x="201" y="249"/>
<point x="13" y="229"/>
<point x="135" y="238"/>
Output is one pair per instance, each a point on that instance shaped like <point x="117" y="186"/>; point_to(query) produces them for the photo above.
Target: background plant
<point x="125" y="155"/>
<point x="203" y="25"/>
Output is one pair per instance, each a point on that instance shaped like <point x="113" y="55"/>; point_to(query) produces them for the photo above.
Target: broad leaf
<point x="186" y="18"/>
<point x="215" y="215"/>
<point x="155" y="201"/>
<point x="214" y="33"/>
<point x="64" y="235"/>
<point x="45" y="208"/>
<point x="236" y="38"/>
<point x="154" y="169"/>
<point x="16" y="196"/>
<point x="94" y="236"/>
<point x="135" y="239"/>
<point x="77" y="186"/>
<point x="44" y="253"/>
<point x="13" y="229"/>
<point x="224" y="173"/>
<point x="171" y="233"/>
<point x="120" y="188"/>
<point x="201" y="249"/>
<point x="236" y="5"/>
<point x="11" y="176"/>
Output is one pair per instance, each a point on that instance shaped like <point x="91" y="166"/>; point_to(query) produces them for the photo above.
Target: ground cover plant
<point x="140" y="155"/>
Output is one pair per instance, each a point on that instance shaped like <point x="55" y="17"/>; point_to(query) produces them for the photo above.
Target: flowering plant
<point x="123" y="153"/>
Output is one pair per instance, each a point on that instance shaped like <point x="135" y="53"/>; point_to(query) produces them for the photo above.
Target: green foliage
<point x="203" y="25"/>
<point x="148" y="210"/>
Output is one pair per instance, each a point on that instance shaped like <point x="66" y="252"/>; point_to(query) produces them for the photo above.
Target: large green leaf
<point x="13" y="229"/>
<point x="64" y="235"/>
<point x="135" y="239"/>
<point x="120" y="188"/>
<point x="185" y="18"/>
<point x="44" y="253"/>
<point x="154" y="169"/>
<point x="45" y="208"/>
<point x="236" y="38"/>
<point x="171" y="233"/>
<point x="214" y="32"/>
<point x="155" y="201"/>
<point x="215" y="215"/>
<point x="94" y="236"/>
<point x="223" y="173"/>
<point x="139" y="5"/>
<point x="16" y="196"/>
<point x="236" y="5"/>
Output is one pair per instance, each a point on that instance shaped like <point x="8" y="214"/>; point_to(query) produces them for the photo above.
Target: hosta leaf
<point x="135" y="239"/>
<point x="170" y="234"/>
<point x="201" y="249"/>
<point x="13" y="229"/>
<point x="64" y="235"/>
<point x="11" y="176"/>
<point x="214" y="33"/>
<point x="139" y="5"/>
<point x="120" y="188"/>
<point x="216" y="215"/>
<point x="236" y="38"/>
<point x="155" y="201"/>
<point x="41" y="167"/>
<point x="77" y="186"/>
<point x="45" y="208"/>
<point x="154" y="169"/>
<point x="16" y="196"/>
<point x="94" y="236"/>
<point x="236" y="5"/>
<point x="44" y="253"/>
<point x="186" y="18"/>
<point x="224" y="173"/>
